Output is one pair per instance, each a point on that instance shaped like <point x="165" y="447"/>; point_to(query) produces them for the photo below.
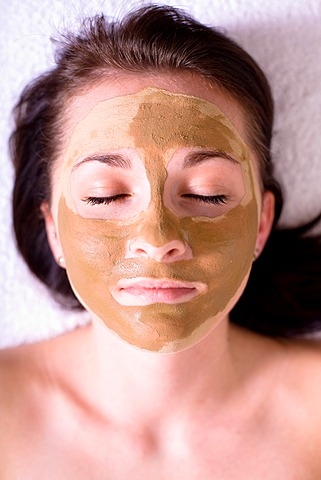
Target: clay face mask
<point x="157" y="216"/>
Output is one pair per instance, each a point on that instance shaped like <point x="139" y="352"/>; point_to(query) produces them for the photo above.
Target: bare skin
<point x="248" y="407"/>
<point x="233" y="406"/>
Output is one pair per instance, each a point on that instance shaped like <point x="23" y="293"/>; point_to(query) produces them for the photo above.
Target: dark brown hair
<point x="155" y="39"/>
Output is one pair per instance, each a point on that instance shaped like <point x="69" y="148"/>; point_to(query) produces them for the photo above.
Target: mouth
<point x="141" y="291"/>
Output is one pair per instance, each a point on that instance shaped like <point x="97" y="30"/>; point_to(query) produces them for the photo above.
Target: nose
<point x="159" y="239"/>
<point x="167" y="253"/>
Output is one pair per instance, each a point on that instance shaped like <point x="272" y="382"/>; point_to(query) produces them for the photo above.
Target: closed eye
<point x="105" y="200"/>
<point x="212" y="199"/>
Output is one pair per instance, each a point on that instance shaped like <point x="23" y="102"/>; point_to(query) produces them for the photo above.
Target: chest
<point x="95" y="451"/>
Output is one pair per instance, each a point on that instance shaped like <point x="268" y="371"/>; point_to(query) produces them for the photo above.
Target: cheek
<point x="231" y="237"/>
<point x="223" y="250"/>
<point x="91" y="247"/>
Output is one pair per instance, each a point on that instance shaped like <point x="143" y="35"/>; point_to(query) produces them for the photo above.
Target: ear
<point x="266" y="221"/>
<point x="52" y="235"/>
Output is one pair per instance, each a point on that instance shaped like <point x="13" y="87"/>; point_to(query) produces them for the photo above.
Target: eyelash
<point x="212" y="199"/>
<point x="104" y="200"/>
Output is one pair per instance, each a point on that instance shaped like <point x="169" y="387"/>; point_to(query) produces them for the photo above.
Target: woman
<point x="144" y="181"/>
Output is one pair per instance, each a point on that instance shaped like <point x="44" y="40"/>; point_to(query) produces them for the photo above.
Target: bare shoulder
<point x="11" y="362"/>
<point x="290" y="371"/>
<point x="16" y="361"/>
<point x="29" y="394"/>
<point x="299" y="401"/>
<point x="303" y="371"/>
<point x="14" y="388"/>
<point x="296" y="363"/>
<point x="297" y="397"/>
<point x="17" y="371"/>
<point x="286" y="380"/>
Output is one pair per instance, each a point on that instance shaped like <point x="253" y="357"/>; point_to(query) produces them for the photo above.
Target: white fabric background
<point x="284" y="37"/>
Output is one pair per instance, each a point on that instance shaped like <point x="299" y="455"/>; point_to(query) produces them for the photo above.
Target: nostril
<point x="174" y="252"/>
<point x="138" y="248"/>
<point x="140" y="252"/>
<point x="169" y="252"/>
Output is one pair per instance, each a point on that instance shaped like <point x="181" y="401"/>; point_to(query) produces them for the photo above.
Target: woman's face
<point x="156" y="207"/>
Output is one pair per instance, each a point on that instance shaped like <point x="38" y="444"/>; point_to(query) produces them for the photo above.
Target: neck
<point x="148" y="384"/>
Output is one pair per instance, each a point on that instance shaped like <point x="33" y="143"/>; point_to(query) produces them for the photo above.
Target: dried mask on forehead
<point x="155" y="124"/>
<point x="181" y="128"/>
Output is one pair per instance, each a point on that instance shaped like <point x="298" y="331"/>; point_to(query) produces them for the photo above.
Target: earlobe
<point x="52" y="236"/>
<point x="266" y="222"/>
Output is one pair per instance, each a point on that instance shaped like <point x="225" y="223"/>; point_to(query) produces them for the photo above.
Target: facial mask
<point x="155" y="131"/>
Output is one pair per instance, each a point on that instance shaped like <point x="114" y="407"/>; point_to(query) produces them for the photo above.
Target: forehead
<point x="155" y="119"/>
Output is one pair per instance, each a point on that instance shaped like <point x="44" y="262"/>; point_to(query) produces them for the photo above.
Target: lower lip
<point x="139" y="296"/>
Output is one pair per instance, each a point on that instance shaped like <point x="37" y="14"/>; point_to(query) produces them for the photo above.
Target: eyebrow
<point x="195" y="158"/>
<point x="111" y="159"/>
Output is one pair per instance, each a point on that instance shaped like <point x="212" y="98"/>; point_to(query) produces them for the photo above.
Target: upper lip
<point x="152" y="283"/>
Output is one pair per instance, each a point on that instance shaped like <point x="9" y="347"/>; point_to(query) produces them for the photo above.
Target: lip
<point x="142" y="291"/>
